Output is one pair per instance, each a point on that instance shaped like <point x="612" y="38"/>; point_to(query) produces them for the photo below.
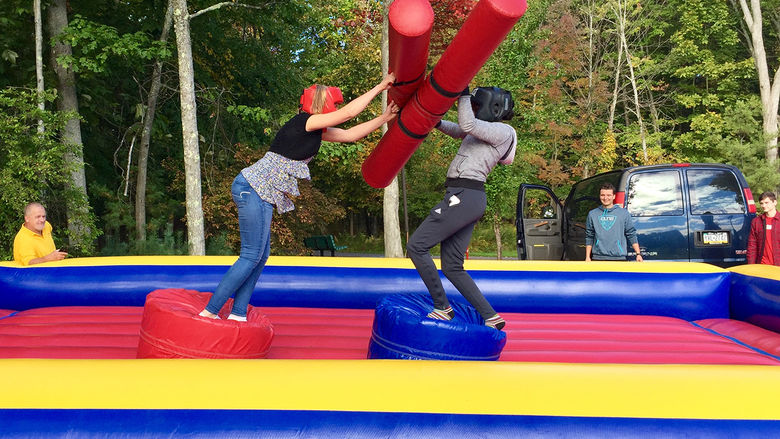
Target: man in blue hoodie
<point x="608" y="229"/>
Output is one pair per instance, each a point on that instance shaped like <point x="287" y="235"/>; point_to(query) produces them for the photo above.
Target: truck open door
<point x="539" y="224"/>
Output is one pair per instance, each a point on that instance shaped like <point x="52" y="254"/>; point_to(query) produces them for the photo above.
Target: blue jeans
<point x="254" y="222"/>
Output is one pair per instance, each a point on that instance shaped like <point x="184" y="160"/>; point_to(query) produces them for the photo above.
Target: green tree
<point x="565" y="98"/>
<point x="710" y="69"/>
<point x="756" y="29"/>
<point x="739" y="140"/>
<point x="33" y="166"/>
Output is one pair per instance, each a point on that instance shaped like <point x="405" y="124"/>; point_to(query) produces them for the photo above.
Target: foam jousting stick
<point x="484" y="29"/>
<point x="409" y="36"/>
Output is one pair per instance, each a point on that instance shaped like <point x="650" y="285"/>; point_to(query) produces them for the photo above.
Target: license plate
<point x="715" y="238"/>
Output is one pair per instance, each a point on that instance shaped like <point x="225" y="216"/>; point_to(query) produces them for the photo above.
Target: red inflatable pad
<point x="744" y="332"/>
<point x="326" y="333"/>
<point x="171" y="328"/>
<point x="594" y="338"/>
<point x="71" y="332"/>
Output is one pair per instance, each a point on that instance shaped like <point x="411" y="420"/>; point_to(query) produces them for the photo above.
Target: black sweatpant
<point x="451" y="223"/>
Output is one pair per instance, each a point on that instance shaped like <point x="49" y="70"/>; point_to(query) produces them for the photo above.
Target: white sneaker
<point x="208" y="315"/>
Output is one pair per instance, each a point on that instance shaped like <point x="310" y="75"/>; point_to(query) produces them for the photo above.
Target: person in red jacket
<point x="764" y="239"/>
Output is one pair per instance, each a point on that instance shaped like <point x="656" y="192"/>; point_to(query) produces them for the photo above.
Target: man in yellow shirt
<point x="34" y="244"/>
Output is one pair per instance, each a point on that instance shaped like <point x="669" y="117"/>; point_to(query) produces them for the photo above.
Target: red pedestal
<point x="171" y="328"/>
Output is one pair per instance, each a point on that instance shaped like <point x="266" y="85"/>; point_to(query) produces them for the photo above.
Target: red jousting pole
<point x="484" y="29"/>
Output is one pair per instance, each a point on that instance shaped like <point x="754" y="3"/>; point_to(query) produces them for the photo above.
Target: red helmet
<point x="333" y="98"/>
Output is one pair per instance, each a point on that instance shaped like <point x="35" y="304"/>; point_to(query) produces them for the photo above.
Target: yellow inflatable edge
<point x="370" y="262"/>
<point x="500" y="388"/>
<point x="758" y="270"/>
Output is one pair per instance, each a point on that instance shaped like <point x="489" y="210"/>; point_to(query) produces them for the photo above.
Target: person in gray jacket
<point x="486" y="142"/>
<point x="608" y="229"/>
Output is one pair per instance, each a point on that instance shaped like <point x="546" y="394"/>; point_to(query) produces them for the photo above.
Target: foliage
<point x="98" y="42"/>
<point x="249" y="68"/>
<point x="355" y="66"/>
<point x="17" y="55"/>
<point x="449" y="16"/>
<point x="739" y="141"/>
<point x="567" y="95"/>
<point x="483" y="241"/>
<point x="695" y="82"/>
<point x="501" y="190"/>
<point x="32" y="165"/>
<point x="313" y="210"/>
<point x="711" y="69"/>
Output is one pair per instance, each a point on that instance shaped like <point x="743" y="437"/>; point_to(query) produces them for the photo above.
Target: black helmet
<point x="492" y="104"/>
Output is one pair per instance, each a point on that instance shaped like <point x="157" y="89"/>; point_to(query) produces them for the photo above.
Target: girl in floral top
<point x="273" y="181"/>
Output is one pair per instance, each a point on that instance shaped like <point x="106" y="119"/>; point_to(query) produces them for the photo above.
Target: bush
<point x="33" y="168"/>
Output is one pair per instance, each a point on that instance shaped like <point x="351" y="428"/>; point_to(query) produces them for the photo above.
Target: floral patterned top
<point x="275" y="179"/>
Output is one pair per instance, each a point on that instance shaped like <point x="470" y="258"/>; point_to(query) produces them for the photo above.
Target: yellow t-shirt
<point x="29" y="245"/>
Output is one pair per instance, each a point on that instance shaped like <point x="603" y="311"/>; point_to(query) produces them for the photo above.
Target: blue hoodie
<point x="607" y="231"/>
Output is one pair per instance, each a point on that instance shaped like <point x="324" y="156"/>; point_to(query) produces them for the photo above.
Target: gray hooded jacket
<point x="484" y="145"/>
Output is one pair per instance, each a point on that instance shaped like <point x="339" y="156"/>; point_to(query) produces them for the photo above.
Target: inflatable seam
<point x="738" y="341"/>
<point x="10" y="315"/>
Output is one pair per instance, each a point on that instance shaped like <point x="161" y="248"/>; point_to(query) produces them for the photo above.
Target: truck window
<point x="539" y="205"/>
<point x="655" y="193"/>
<point x="585" y="195"/>
<point x="714" y="191"/>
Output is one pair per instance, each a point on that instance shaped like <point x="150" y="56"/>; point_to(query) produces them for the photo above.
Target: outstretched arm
<point x="361" y="130"/>
<point x="350" y="110"/>
<point x="451" y="129"/>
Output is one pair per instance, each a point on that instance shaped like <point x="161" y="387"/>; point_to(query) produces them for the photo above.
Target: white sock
<point x="236" y="318"/>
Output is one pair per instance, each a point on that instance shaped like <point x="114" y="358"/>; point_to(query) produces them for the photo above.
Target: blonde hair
<point x="320" y="96"/>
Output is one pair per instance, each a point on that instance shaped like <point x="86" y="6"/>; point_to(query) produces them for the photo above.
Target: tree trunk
<point x="392" y="225"/>
<point x="621" y="15"/>
<point x="189" y="127"/>
<point x="406" y="204"/>
<point x="615" y="91"/>
<point x="39" y="59"/>
<point x="497" y="230"/>
<point x="146" y="134"/>
<point x="591" y="56"/>
<point x="637" y="105"/>
<point x="769" y="88"/>
<point x="78" y="207"/>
